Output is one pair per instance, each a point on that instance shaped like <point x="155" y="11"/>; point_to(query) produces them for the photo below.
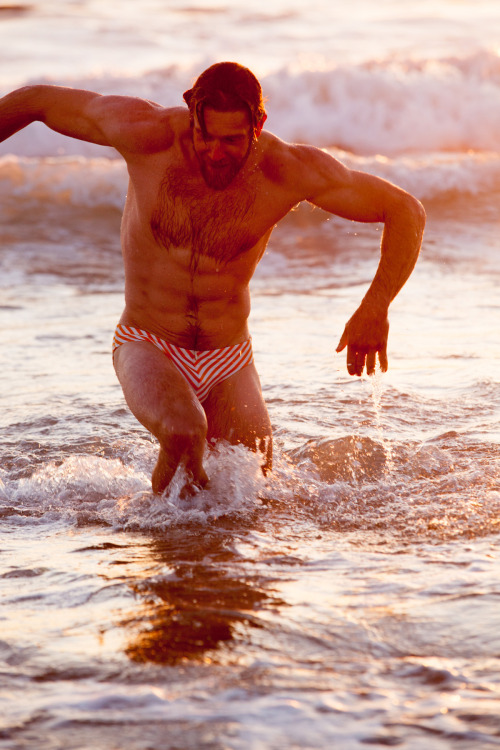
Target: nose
<point x="216" y="151"/>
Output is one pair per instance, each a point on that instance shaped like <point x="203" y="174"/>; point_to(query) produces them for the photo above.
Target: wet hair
<point x="226" y="87"/>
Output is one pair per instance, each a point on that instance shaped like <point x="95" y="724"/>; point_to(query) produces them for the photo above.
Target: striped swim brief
<point x="202" y="369"/>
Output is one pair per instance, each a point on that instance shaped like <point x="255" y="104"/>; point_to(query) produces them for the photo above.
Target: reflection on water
<point x="188" y="613"/>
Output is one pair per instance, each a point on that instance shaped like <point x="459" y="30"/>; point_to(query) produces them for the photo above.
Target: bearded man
<point x="206" y="187"/>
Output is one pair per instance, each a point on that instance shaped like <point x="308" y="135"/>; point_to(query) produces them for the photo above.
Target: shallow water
<point x="351" y="599"/>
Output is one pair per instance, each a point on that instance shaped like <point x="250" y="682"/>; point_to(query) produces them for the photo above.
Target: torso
<point x="190" y="251"/>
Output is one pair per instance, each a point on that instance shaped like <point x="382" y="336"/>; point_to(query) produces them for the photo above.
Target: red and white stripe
<point x="202" y="369"/>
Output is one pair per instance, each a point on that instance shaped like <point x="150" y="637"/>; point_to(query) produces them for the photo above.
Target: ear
<point x="260" y="125"/>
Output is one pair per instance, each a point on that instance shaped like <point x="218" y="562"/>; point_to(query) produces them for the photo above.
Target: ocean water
<point x="351" y="599"/>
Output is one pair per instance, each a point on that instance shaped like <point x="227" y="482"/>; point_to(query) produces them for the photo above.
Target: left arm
<point x="362" y="197"/>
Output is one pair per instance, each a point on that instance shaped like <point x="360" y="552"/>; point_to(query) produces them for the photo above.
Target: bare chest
<point x="218" y="224"/>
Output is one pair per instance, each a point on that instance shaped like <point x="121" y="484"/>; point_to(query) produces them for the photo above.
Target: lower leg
<point x="166" y="466"/>
<point x="163" y="473"/>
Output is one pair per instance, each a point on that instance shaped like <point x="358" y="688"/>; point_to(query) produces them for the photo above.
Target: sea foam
<point x="388" y="106"/>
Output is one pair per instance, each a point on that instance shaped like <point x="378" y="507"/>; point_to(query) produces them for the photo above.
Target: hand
<point x="365" y="336"/>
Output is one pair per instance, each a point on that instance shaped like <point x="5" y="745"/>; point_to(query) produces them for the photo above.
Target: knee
<point x="183" y="436"/>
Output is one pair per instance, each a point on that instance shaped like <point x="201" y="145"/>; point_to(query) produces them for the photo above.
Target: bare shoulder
<point x="311" y="174"/>
<point x="137" y="126"/>
<point x="306" y="167"/>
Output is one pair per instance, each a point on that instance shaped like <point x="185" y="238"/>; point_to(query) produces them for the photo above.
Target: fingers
<point x="382" y="358"/>
<point x="343" y="341"/>
<point x="364" y="342"/>
<point x="370" y="362"/>
<point x="356" y="360"/>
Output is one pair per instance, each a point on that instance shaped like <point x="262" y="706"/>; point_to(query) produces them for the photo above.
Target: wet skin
<point x="199" y="212"/>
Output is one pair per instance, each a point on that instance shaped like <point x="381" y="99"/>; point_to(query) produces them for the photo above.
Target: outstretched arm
<point x="366" y="198"/>
<point x="125" y="123"/>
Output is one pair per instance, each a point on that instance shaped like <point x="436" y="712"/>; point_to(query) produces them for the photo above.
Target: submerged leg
<point x="161" y="399"/>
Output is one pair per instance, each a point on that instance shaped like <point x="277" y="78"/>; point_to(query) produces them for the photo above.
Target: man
<point x="206" y="188"/>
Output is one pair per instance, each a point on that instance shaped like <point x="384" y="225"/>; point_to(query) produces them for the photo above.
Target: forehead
<point x="223" y="123"/>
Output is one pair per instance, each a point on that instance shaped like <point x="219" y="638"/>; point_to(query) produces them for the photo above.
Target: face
<point x="226" y="145"/>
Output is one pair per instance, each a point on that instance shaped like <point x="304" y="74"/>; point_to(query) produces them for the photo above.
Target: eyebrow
<point x="230" y="136"/>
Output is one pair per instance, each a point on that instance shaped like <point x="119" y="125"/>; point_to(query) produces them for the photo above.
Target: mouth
<point x="218" y="175"/>
<point x="218" y="166"/>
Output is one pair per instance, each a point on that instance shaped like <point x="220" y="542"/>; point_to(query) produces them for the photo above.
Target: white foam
<point x="385" y="106"/>
<point x="432" y="175"/>
<point x="392" y="107"/>
<point x="75" y="180"/>
<point x="430" y="126"/>
<point x="95" y="182"/>
<point x="87" y="489"/>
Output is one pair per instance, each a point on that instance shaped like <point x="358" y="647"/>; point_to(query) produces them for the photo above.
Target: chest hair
<point x="214" y="224"/>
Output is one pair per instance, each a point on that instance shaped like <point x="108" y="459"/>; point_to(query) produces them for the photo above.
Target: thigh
<point x="236" y="412"/>
<point x="155" y="391"/>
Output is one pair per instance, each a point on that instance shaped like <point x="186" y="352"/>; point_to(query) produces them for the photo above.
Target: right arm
<point x="125" y="123"/>
<point x="359" y="196"/>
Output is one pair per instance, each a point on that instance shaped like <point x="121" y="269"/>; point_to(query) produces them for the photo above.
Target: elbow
<point x="25" y="102"/>
<point x="409" y="214"/>
<point x="420" y="214"/>
<point x="416" y="214"/>
<point x="35" y="100"/>
<point x="17" y="110"/>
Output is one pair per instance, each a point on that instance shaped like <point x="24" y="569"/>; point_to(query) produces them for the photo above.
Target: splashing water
<point x="377" y="399"/>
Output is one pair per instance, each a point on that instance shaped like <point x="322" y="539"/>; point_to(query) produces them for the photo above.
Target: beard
<point x="219" y="175"/>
